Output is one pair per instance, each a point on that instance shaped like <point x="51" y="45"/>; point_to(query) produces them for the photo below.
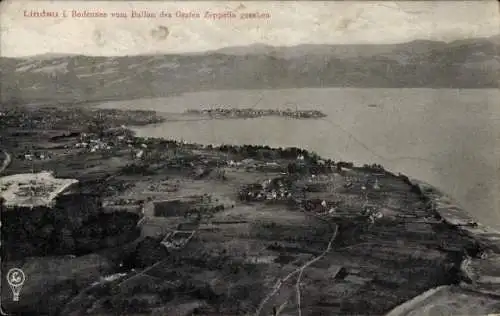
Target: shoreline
<point x="479" y="271"/>
<point x="245" y="165"/>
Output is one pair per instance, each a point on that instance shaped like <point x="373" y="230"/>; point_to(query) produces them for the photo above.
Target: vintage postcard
<point x="228" y="158"/>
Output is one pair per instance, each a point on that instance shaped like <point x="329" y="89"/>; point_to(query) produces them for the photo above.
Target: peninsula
<point x="157" y="226"/>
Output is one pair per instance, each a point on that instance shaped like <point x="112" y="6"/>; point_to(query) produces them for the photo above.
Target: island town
<point x="219" y="112"/>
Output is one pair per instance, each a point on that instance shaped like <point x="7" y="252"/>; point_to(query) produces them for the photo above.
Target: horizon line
<point x="190" y="53"/>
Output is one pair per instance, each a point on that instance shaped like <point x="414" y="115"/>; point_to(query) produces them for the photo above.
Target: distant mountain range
<point x="471" y="63"/>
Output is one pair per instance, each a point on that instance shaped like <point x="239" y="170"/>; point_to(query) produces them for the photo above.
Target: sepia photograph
<point x="250" y="158"/>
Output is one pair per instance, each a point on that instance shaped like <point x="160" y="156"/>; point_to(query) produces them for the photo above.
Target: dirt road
<point x="299" y="270"/>
<point x="6" y="161"/>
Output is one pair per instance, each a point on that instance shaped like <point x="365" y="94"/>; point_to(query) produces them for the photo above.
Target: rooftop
<point x="32" y="189"/>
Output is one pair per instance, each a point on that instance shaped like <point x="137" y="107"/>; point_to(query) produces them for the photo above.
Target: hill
<point x="471" y="63"/>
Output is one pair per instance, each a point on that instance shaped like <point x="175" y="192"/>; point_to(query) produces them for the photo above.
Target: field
<point x="239" y="230"/>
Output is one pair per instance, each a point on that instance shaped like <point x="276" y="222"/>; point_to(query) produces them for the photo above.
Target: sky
<point x="287" y="24"/>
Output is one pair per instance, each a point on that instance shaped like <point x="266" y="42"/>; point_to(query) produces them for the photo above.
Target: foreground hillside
<point x="229" y="230"/>
<point x="461" y="64"/>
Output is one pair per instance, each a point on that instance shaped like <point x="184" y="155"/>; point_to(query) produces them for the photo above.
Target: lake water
<point x="449" y="138"/>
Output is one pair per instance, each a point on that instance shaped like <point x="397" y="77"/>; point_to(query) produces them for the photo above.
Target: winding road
<point x="6" y="162"/>
<point x="300" y="270"/>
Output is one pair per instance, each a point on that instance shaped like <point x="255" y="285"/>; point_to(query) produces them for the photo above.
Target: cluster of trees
<point x="266" y="152"/>
<point x="373" y="167"/>
<point x="136" y="169"/>
<point x="147" y="252"/>
<point x="309" y="168"/>
<point x="105" y="231"/>
<point x="43" y="231"/>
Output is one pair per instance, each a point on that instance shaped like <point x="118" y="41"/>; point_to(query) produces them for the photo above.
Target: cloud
<point x="290" y="23"/>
